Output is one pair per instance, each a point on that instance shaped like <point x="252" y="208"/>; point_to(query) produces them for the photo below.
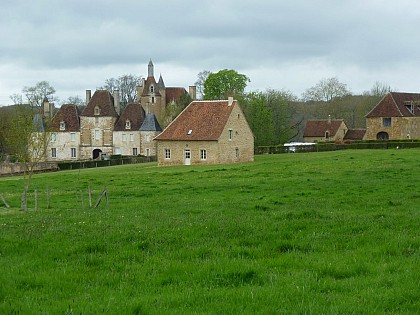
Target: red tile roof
<point x="397" y="104"/>
<point x="134" y="112"/>
<point x="70" y="115"/>
<point x="173" y="94"/>
<point x="317" y="128"/>
<point x="355" y="134"/>
<point x="200" y="120"/>
<point x="104" y="100"/>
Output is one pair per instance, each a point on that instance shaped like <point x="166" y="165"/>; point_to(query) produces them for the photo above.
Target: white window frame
<point x="73" y="136"/>
<point x="230" y="134"/>
<point x="97" y="135"/>
<point x="73" y="153"/>
<point x="135" y="151"/>
<point x="124" y="137"/>
<point x="131" y="137"/>
<point x="203" y="154"/>
<point x="62" y="125"/>
<point x="53" y="137"/>
<point x="167" y="154"/>
<point x="53" y="153"/>
<point x="127" y="124"/>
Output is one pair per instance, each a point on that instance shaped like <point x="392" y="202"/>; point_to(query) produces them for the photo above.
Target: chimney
<point x="192" y="90"/>
<point x="230" y="100"/>
<point x="88" y="96"/>
<point x="117" y="102"/>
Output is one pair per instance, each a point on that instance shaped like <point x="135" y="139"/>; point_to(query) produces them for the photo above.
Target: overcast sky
<point x="76" y="45"/>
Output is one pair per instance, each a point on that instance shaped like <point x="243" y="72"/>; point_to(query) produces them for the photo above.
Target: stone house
<point x="64" y="143"/>
<point x="395" y="117"/>
<point x="325" y="130"/>
<point x="207" y="132"/>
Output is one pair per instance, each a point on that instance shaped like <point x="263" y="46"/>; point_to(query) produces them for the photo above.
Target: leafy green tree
<point x="223" y="84"/>
<point x="259" y="117"/>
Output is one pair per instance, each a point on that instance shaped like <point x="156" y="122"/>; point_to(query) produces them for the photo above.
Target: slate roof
<point x="104" y="100"/>
<point x="68" y="113"/>
<point x="150" y="123"/>
<point x="199" y="121"/>
<point x="173" y="94"/>
<point x="317" y="128"/>
<point x="133" y="112"/>
<point x="355" y="134"/>
<point x="397" y="104"/>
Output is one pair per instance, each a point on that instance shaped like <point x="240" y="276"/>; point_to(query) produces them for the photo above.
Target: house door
<point x="382" y="136"/>
<point x="187" y="155"/>
<point x="96" y="153"/>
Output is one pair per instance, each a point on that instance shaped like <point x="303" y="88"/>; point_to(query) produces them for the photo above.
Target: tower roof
<point x="150" y="123"/>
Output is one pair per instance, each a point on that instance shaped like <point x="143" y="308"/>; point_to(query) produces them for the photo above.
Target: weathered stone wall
<point x="103" y="127"/>
<point x="125" y="141"/>
<point x="401" y="128"/>
<point x="63" y="143"/>
<point x="18" y="168"/>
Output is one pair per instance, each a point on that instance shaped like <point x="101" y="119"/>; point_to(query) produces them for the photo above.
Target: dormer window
<point x="189" y="132"/>
<point x="62" y="125"/>
<point x="97" y="111"/>
<point x="127" y="124"/>
<point x="152" y="88"/>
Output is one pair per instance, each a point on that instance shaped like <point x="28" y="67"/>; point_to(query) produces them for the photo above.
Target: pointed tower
<point x="150" y="69"/>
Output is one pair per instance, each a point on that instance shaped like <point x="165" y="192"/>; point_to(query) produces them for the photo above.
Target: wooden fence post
<point x="90" y="196"/>
<point x="4" y="201"/>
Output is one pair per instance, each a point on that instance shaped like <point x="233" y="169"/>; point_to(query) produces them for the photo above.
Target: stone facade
<point x="231" y="141"/>
<point x="395" y="117"/>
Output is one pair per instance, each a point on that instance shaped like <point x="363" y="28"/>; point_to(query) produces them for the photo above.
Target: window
<point x="237" y="153"/>
<point x="134" y="151"/>
<point x="167" y="153"/>
<point x="124" y="137"/>
<point x="189" y="132"/>
<point x="147" y="138"/>
<point x="73" y="136"/>
<point x="127" y="124"/>
<point x="73" y="153"/>
<point x="131" y="137"/>
<point x="96" y="121"/>
<point x="62" y="125"/>
<point x="230" y="134"/>
<point x="203" y="154"/>
<point x="153" y="100"/>
<point x="97" y="134"/>
<point x="97" y="111"/>
<point x="147" y="152"/>
<point x="53" y="137"/>
<point x="327" y="135"/>
<point x="152" y="88"/>
<point x="53" y="152"/>
<point x="386" y="121"/>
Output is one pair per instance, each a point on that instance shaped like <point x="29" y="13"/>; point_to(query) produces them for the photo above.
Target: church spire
<point x="150" y="69"/>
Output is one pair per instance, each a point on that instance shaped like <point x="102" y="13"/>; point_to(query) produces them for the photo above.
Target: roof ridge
<point x="396" y="105"/>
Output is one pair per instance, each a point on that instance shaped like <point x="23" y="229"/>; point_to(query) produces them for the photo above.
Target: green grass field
<point x="313" y="233"/>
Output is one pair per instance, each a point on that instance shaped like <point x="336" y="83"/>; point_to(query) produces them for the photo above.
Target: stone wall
<point x="18" y="168"/>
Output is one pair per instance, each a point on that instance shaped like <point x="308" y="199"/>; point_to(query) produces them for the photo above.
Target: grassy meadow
<point x="311" y="233"/>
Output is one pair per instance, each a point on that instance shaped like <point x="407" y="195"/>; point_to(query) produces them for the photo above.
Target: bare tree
<point x="37" y="93"/>
<point x="27" y="142"/>
<point x="201" y="78"/>
<point x="326" y="90"/>
<point x="127" y="86"/>
<point x="379" y="89"/>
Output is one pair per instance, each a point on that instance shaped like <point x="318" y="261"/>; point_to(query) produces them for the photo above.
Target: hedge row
<point x="331" y="146"/>
<point x="114" y="160"/>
